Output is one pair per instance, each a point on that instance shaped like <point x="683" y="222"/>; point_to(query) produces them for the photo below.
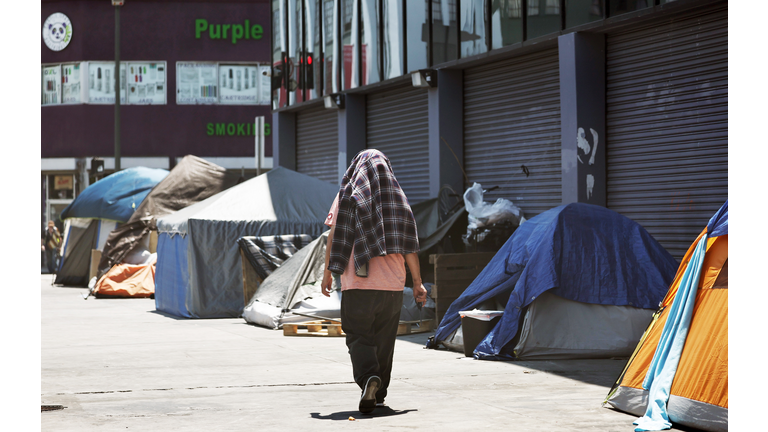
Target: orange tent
<point x="127" y="280"/>
<point x="698" y="396"/>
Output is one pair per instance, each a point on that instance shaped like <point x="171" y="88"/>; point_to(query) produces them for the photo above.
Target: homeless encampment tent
<point x="199" y="273"/>
<point x="577" y="281"/>
<point x="679" y="370"/>
<point x="294" y="284"/>
<point x="290" y="287"/>
<point x="95" y="213"/>
<point x="192" y="180"/>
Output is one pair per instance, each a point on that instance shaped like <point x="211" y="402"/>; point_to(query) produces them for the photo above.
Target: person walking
<point x="51" y="242"/>
<point x="373" y="235"/>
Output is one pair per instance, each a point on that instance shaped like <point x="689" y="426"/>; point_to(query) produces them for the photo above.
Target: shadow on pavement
<point x="357" y="415"/>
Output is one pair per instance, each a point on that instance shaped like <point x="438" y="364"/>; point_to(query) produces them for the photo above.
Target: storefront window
<point x="543" y="17"/>
<point x="506" y="22"/>
<point x="392" y="22"/>
<point x="279" y="95"/>
<point x="349" y="23"/>
<point x="146" y="83"/>
<point x="445" y="28"/>
<point x="295" y="34"/>
<point x="239" y="84"/>
<point x="579" y="12"/>
<point x="330" y="18"/>
<point x="472" y="28"/>
<point x="369" y="35"/>
<point x="312" y="22"/>
<point x="417" y="32"/>
<point x="101" y="87"/>
<point x="618" y="7"/>
<point x="51" y="91"/>
<point x="196" y="83"/>
<point x="61" y="186"/>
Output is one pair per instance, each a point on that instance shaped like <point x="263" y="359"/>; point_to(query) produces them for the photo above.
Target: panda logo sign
<point x="57" y="31"/>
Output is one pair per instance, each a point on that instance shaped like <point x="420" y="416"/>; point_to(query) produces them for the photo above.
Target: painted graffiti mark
<point x="590" y="185"/>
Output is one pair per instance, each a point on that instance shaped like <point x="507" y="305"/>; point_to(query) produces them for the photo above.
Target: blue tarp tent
<point x="576" y="255"/>
<point x="116" y="196"/>
<point x="199" y="272"/>
<point x="97" y="211"/>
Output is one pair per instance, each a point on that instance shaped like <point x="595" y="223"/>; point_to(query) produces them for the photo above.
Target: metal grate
<point x="397" y="124"/>
<point x="512" y="125"/>
<point x="317" y="144"/>
<point x="667" y="125"/>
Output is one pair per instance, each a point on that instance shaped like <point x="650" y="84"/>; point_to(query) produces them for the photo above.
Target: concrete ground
<point x="117" y="364"/>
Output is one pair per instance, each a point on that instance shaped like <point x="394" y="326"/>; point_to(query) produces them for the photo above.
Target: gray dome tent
<point x="199" y="273"/>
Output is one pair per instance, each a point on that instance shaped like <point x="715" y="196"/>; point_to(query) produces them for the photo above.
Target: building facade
<point x="622" y="104"/>
<point x="193" y="77"/>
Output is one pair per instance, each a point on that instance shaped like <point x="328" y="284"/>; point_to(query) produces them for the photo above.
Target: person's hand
<point x="419" y="293"/>
<point x="327" y="285"/>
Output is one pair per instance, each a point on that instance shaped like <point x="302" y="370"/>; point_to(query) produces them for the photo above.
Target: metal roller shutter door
<point x="512" y="119"/>
<point x="317" y="144"/>
<point x="667" y="125"/>
<point x="397" y="123"/>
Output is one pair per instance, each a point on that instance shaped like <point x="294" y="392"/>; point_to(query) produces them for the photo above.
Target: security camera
<point x="267" y="72"/>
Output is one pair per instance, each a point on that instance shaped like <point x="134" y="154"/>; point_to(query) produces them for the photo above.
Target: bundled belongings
<point x="95" y="213"/>
<point x="192" y="180"/>
<point x="678" y="373"/>
<point x="199" y="272"/>
<point x="291" y="293"/>
<point x="577" y="281"/>
<point x="294" y="285"/>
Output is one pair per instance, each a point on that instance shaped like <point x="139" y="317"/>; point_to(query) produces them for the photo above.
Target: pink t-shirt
<point x="385" y="273"/>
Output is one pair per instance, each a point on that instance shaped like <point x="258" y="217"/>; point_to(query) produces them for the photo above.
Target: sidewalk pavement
<point x="118" y="364"/>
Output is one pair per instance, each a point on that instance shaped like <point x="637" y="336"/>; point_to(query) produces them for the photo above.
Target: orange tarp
<point x="702" y="373"/>
<point x="127" y="280"/>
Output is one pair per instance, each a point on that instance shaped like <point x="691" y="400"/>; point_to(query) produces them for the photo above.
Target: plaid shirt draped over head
<point x="374" y="214"/>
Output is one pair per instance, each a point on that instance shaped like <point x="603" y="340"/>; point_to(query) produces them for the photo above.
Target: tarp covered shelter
<point x="553" y="272"/>
<point x="98" y="210"/>
<point x="296" y="280"/>
<point x="192" y="180"/>
<point x="199" y="273"/>
<point x="128" y="280"/>
<point x="696" y="369"/>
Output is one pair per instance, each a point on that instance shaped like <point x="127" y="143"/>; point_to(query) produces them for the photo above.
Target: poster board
<point x="146" y="83"/>
<point x="101" y="83"/>
<point x="239" y="84"/>
<point x="265" y="95"/>
<point x="51" y="85"/>
<point x="72" y="87"/>
<point x="196" y="83"/>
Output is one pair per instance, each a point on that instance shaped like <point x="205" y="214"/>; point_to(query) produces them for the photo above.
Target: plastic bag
<point x="482" y="213"/>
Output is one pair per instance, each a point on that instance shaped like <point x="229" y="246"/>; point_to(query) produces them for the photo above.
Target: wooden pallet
<point x="332" y="328"/>
<point x="408" y="327"/>
<point x="313" y="328"/>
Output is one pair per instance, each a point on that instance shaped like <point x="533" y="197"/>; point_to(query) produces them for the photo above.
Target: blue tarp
<point x="116" y="196"/>
<point x="172" y="285"/>
<point x="581" y="252"/>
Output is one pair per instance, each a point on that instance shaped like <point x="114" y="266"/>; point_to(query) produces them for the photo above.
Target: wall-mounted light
<point x="334" y="101"/>
<point x="424" y="78"/>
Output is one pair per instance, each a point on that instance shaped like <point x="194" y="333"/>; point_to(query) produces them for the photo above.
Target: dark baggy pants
<point x="50" y="258"/>
<point x="370" y="319"/>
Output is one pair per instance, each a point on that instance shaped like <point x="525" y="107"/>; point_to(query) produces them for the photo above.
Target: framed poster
<point x="196" y="83"/>
<point x="101" y="83"/>
<point x="146" y="83"/>
<point x="71" y="83"/>
<point x="239" y="84"/>
<point x="51" y="81"/>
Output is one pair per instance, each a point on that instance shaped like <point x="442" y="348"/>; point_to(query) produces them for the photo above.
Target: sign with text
<point x="51" y="81"/>
<point x="239" y="84"/>
<point x="196" y="83"/>
<point x="146" y="83"/>
<point x="101" y="83"/>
